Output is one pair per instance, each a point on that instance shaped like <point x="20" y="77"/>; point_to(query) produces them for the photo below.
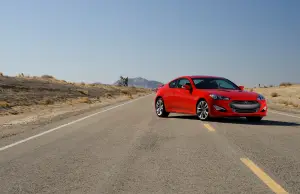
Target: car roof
<point x="199" y="76"/>
<point x="195" y="76"/>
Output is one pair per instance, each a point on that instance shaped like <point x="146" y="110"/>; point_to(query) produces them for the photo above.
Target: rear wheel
<point x="160" y="108"/>
<point x="254" y="119"/>
<point x="202" y="110"/>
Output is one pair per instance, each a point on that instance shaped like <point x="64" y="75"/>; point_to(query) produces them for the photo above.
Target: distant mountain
<point x="142" y="82"/>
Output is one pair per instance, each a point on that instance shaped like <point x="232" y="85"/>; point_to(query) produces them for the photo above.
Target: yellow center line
<point x="209" y="127"/>
<point x="275" y="187"/>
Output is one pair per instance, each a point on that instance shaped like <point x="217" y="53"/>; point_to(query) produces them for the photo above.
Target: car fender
<point x="202" y="96"/>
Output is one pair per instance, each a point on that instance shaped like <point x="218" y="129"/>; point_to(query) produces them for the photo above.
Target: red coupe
<point x="208" y="97"/>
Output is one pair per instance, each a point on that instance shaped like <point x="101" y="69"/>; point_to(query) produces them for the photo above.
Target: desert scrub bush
<point x="290" y="103"/>
<point x="84" y="92"/>
<point x="46" y="102"/>
<point x="14" y="112"/>
<point x="47" y="77"/>
<point x="285" y="84"/>
<point x="293" y="104"/>
<point x="125" y="92"/>
<point x="84" y="100"/>
<point x="274" y="94"/>
<point x="4" y="104"/>
<point x="79" y="100"/>
<point x="285" y="102"/>
<point x="108" y="95"/>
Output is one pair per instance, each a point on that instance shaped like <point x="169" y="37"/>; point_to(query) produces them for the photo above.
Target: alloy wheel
<point x="202" y="110"/>
<point x="159" y="107"/>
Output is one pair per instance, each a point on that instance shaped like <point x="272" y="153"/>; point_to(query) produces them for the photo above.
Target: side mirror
<point x="241" y="87"/>
<point x="187" y="87"/>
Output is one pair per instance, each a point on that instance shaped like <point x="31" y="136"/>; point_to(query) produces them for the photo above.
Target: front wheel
<point x="202" y="110"/>
<point x="160" y="108"/>
<point x="254" y="119"/>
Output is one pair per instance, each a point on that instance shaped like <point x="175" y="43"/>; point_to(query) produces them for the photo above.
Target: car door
<point x="169" y="95"/>
<point x="183" y="99"/>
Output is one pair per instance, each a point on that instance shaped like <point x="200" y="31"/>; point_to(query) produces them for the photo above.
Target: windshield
<point x="214" y="83"/>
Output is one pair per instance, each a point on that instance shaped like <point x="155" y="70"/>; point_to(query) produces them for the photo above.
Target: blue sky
<point x="249" y="42"/>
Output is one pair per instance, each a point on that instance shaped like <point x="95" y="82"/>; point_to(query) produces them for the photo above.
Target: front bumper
<point x="223" y="108"/>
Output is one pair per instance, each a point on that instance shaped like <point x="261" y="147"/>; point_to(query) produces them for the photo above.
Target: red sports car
<point x="208" y="97"/>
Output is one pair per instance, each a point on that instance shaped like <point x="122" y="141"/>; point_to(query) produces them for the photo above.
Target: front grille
<point x="244" y="102"/>
<point x="245" y="106"/>
<point x="245" y="110"/>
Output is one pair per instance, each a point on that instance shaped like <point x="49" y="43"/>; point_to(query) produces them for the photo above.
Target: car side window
<point x="173" y="84"/>
<point x="197" y="81"/>
<point x="183" y="82"/>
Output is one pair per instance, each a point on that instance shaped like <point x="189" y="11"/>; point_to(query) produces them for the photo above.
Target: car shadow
<point x="263" y="122"/>
<point x="189" y="117"/>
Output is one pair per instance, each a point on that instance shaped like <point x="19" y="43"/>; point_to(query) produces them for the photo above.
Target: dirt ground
<point x="28" y="91"/>
<point x="285" y="98"/>
<point x="25" y="100"/>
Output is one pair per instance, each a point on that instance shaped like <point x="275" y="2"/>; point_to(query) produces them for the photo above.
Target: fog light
<point x="218" y="108"/>
<point x="264" y="109"/>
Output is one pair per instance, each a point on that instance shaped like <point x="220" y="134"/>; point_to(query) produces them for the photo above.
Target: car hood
<point x="234" y="94"/>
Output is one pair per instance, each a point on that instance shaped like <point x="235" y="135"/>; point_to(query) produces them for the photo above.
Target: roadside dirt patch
<point x="18" y="94"/>
<point x="26" y="100"/>
<point x="285" y="97"/>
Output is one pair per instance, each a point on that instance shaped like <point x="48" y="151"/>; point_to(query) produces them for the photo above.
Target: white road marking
<point x="67" y="124"/>
<point x="281" y="113"/>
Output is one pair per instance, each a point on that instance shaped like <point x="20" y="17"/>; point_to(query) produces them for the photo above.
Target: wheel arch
<point x="160" y="96"/>
<point x="200" y="99"/>
<point x="157" y="97"/>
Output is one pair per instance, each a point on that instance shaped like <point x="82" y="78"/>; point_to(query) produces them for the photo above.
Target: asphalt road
<point x="129" y="149"/>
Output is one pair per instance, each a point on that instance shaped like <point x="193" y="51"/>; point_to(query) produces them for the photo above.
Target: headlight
<point x="218" y="97"/>
<point x="260" y="97"/>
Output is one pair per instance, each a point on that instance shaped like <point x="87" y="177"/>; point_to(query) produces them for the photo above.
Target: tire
<point x="202" y="110"/>
<point x="160" y="108"/>
<point x="254" y="119"/>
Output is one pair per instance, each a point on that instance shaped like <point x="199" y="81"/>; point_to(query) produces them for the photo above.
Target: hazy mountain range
<point x="142" y="82"/>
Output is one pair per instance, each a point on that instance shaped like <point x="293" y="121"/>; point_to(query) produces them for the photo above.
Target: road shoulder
<point x="16" y="127"/>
